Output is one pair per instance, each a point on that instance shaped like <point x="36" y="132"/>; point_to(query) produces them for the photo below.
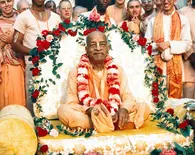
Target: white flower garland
<point x="114" y="100"/>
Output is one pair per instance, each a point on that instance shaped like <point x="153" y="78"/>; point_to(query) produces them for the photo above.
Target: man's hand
<point x="136" y="20"/>
<point x="123" y="116"/>
<point x="7" y="37"/>
<point x="163" y="46"/>
<point x="96" y="110"/>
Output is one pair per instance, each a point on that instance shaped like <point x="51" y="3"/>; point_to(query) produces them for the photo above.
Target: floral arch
<point x="49" y="52"/>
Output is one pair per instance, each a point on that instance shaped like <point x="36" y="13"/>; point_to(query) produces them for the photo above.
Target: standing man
<point x="149" y="12"/>
<point x="28" y="26"/>
<point x="22" y="5"/>
<point x="134" y="16"/>
<point x="170" y="33"/>
<point x="189" y="57"/>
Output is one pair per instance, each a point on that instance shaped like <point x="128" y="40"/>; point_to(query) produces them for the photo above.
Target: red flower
<point x="184" y="124"/>
<point x="40" y="49"/>
<point x="56" y="32"/>
<point x="156" y="100"/>
<point x="35" y="94"/>
<point x="45" y="32"/>
<point x="125" y="27"/>
<point x="159" y="70"/>
<point x="113" y="90"/>
<point x="101" y="28"/>
<point x="35" y="59"/>
<point x="42" y="45"/>
<point x="39" y="43"/>
<point x="155" y="85"/>
<point x="44" y="148"/>
<point x="86" y="32"/>
<point x="155" y="92"/>
<point x="35" y="71"/>
<point x="149" y="48"/>
<point x="83" y="98"/>
<point x="46" y="44"/>
<point x="142" y="41"/>
<point x="170" y="111"/>
<point x="99" y="101"/>
<point x="168" y="152"/>
<point x="72" y="33"/>
<point x="41" y="132"/>
<point x="61" y="27"/>
<point x="67" y="21"/>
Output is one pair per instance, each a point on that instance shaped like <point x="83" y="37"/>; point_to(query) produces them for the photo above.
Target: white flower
<point x="80" y="78"/>
<point x="86" y="101"/>
<point x="49" y="38"/>
<point x="54" y="133"/>
<point x="82" y="71"/>
<point x="116" y="86"/>
<point x="112" y="113"/>
<point x="82" y="94"/>
<point x="113" y="70"/>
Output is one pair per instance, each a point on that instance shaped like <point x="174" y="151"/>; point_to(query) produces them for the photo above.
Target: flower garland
<point x="114" y="101"/>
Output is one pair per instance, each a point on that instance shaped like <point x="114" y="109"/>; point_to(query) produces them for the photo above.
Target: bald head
<point x="97" y="47"/>
<point x="95" y="34"/>
<point x="77" y="11"/>
<point x="22" y="5"/>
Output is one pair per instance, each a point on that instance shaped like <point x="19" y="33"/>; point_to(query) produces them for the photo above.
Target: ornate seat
<point x="55" y="58"/>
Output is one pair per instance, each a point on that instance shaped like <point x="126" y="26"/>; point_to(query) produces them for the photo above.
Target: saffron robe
<point x="72" y="114"/>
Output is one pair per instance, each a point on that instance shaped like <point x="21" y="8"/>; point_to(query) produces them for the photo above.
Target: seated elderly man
<point x="97" y="92"/>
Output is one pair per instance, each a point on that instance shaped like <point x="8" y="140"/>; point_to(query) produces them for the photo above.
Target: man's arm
<point x="183" y="45"/>
<point x="17" y="43"/>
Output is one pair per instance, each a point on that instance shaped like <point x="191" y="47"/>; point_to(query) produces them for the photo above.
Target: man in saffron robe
<point x="171" y="35"/>
<point x="97" y="92"/>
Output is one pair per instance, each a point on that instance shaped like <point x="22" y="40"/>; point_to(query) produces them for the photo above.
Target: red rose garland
<point x="114" y="100"/>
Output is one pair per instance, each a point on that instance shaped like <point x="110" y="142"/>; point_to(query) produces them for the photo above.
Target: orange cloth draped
<point x="12" y="90"/>
<point x="174" y="66"/>
<point x="73" y="114"/>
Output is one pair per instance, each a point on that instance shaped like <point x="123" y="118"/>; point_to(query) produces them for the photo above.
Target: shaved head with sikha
<point x="97" y="47"/>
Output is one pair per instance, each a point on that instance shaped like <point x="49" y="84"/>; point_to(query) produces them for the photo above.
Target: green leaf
<point x="87" y="135"/>
<point x="186" y="132"/>
<point x="156" y="152"/>
<point x="51" y="57"/>
<point x="58" y="76"/>
<point x="60" y="64"/>
<point x="180" y="148"/>
<point x="143" y="50"/>
<point x="59" y="127"/>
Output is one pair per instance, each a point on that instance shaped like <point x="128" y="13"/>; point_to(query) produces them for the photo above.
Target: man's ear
<point x="109" y="47"/>
<point x="86" y="49"/>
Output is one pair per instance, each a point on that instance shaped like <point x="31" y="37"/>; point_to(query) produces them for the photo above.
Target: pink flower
<point x="54" y="133"/>
<point x="49" y="38"/>
<point x="168" y="152"/>
<point x="92" y="153"/>
<point x="94" y="15"/>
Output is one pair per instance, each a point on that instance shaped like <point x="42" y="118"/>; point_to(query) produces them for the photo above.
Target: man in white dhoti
<point x="170" y="33"/>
